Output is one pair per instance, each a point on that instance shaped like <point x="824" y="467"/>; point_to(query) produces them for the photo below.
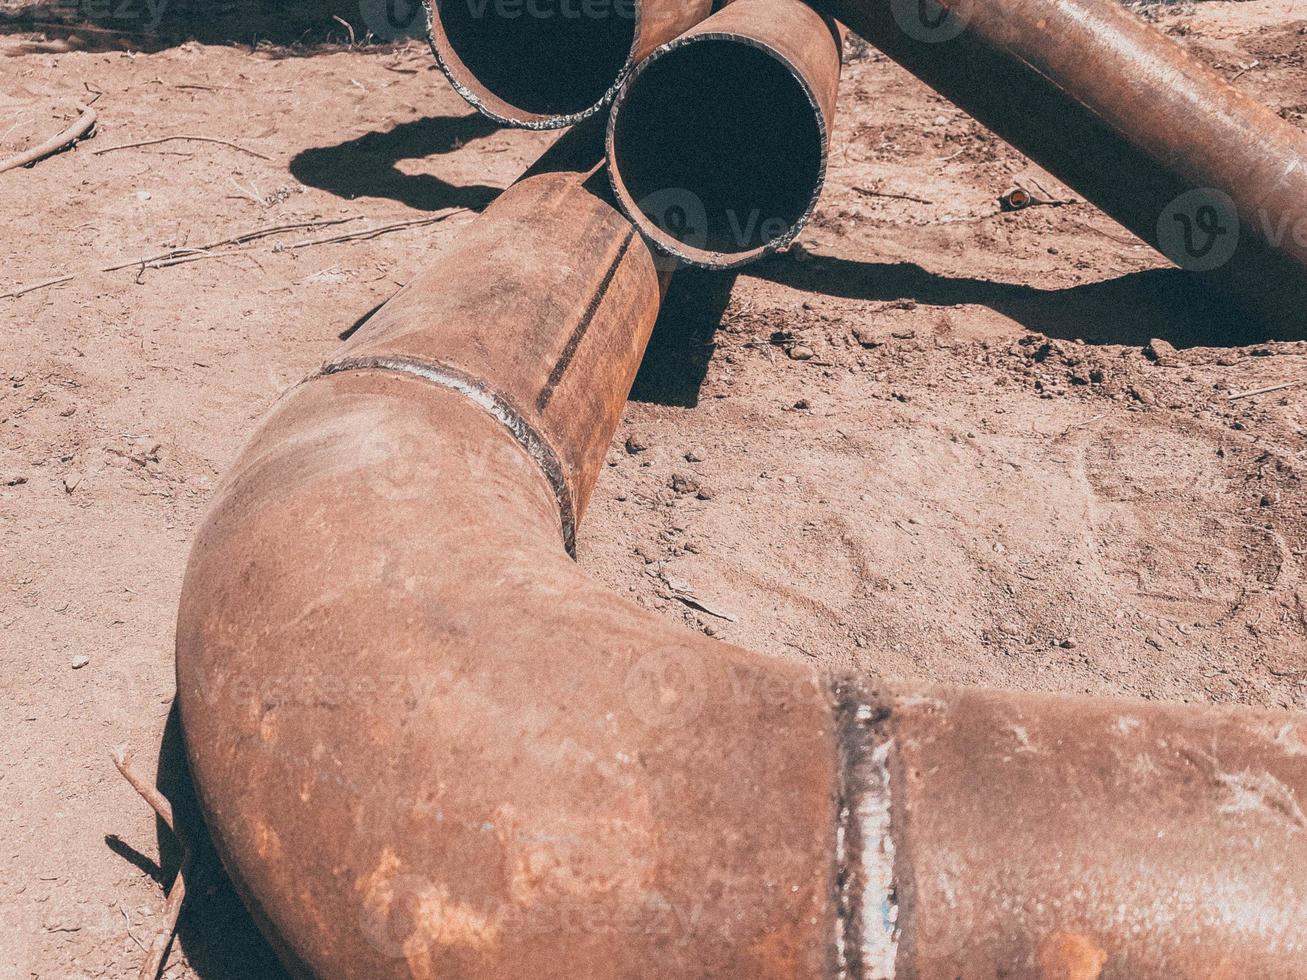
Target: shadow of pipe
<point x="216" y="932"/>
<point x="366" y="166"/>
<point x="1129" y="310"/>
<point x="676" y="360"/>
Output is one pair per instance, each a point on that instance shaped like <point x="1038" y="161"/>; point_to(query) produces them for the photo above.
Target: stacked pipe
<point x="428" y="745"/>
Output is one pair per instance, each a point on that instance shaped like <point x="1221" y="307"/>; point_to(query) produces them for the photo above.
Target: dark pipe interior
<point x="718" y="144"/>
<point x="548" y="57"/>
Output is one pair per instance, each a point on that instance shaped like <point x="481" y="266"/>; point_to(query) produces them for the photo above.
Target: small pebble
<point x="803" y="404"/>
<point x="695" y="456"/>
<point x="1068" y="644"/>
<point x="684" y="483"/>
<point x="637" y="443"/>
<point x="865" y="337"/>
<point x="1163" y="353"/>
<point x="801" y="352"/>
<point x="80" y="661"/>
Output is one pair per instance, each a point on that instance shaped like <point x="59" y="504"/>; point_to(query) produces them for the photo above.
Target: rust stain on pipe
<point x="546" y="64"/>
<point x="717" y="142"/>
<point x="428" y="745"/>
<point x="1124" y="115"/>
<point x="426" y="742"/>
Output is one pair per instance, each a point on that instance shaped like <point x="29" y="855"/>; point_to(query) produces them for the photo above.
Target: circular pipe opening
<point x="717" y="149"/>
<point x="541" y="64"/>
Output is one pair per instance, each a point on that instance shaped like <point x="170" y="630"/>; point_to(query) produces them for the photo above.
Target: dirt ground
<point x="932" y="441"/>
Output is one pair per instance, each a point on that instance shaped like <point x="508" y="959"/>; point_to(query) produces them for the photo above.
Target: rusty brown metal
<point x="1019" y="835"/>
<point x="717" y="142"/>
<point x="1130" y="120"/>
<point x="429" y="745"/>
<point x="546" y="64"/>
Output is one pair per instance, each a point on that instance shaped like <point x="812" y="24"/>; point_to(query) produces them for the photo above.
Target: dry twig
<point x="188" y="139"/>
<point x="869" y="192"/>
<point x="1264" y="391"/>
<point x="163" y="259"/>
<point x="158" y="954"/>
<point x="84" y="125"/>
<point x="353" y="41"/>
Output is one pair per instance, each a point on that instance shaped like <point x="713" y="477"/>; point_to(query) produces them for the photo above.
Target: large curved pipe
<point x="718" y="140"/>
<point x="428" y="745"/>
<point x="1124" y="115"/>
<point x="546" y="64"/>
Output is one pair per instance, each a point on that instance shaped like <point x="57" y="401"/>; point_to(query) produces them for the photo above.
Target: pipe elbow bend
<point x="429" y="745"/>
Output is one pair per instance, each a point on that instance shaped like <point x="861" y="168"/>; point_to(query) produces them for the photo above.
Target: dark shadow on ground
<point x="682" y="344"/>
<point x="299" y="27"/>
<point x="365" y="167"/>
<point x="1129" y="310"/>
<point x="216" y="932"/>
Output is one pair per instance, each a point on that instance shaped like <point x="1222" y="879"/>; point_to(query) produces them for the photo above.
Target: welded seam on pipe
<point x="476" y="391"/>
<point x="579" y="332"/>
<point x="866" y="939"/>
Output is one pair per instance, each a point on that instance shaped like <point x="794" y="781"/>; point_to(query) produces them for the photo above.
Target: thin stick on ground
<point x="158" y="951"/>
<point x="353" y="42"/>
<point x="366" y="233"/>
<point x="872" y="192"/>
<point x="1265" y="391"/>
<point x="84" y="125"/>
<point x="182" y="256"/>
<point x="186" y="138"/>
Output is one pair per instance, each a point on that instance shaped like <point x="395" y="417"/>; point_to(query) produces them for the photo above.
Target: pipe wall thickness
<point x="718" y="141"/>
<point x="547" y="64"/>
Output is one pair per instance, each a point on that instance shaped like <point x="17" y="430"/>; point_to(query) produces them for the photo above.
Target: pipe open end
<point x="717" y="149"/>
<point x="535" y="64"/>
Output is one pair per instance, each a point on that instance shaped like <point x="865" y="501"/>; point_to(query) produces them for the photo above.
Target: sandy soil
<point x="932" y="441"/>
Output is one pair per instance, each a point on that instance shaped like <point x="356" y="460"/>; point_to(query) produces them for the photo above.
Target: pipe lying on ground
<point x="546" y="64"/>
<point x="717" y="142"/>
<point x="1126" y="117"/>
<point x="428" y="745"/>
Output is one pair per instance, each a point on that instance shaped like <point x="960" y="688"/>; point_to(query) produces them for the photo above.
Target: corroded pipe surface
<point x="546" y="64"/>
<point x="1129" y="119"/>
<point x="428" y="745"/>
<point x="1036" y="836"/>
<point x="426" y="742"/>
<point x="717" y="141"/>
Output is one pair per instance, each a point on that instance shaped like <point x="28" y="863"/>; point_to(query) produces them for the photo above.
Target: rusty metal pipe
<point x="428" y="745"/>
<point x="1130" y="120"/>
<point x="717" y="141"/>
<point x="546" y="64"/>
